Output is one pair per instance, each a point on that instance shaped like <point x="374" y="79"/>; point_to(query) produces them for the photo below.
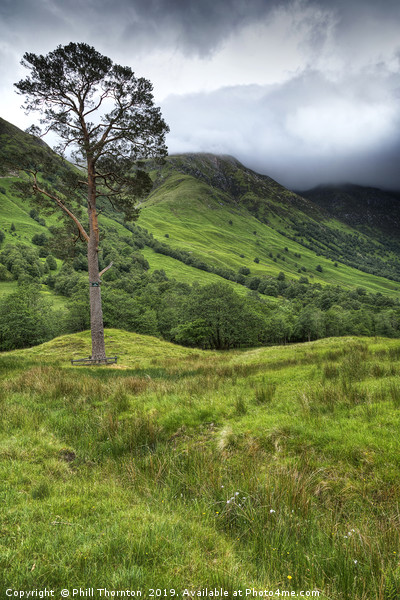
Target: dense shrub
<point x="26" y="319"/>
<point x="21" y="260"/>
<point x="39" y="239"/>
<point x="51" y="262"/>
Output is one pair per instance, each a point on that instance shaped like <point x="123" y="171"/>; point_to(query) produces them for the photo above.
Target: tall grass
<point x="275" y="468"/>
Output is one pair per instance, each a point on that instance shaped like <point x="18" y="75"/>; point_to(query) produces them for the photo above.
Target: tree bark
<point x="96" y="311"/>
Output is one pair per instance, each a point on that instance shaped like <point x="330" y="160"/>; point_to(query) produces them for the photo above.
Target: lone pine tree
<point x="106" y="117"/>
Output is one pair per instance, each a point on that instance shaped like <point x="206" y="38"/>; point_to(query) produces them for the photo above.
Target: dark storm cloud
<point x="347" y="10"/>
<point x="195" y="26"/>
<point x="202" y="25"/>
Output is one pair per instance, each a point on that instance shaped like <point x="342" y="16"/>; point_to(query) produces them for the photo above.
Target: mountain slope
<point x="364" y="208"/>
<point x="229" y="217"/>
<point x="224" y="217"/>
<point x="14" y="140"/>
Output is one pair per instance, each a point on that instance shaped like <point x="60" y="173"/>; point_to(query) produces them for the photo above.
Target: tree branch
<point x="106" y="269"/>
<point x="102" y="97"/>
<point x="80" y="227"/>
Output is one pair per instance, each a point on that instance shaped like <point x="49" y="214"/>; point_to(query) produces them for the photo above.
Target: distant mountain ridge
<point x="358" y="206"/>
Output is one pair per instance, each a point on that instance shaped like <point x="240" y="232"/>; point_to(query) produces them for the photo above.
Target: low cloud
<point x="303" y="132"/>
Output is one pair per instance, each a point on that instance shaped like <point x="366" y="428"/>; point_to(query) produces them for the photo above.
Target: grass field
<point x="275" y="468"/>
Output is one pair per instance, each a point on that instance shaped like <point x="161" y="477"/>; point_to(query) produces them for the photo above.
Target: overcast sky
<point x="307" y="92"/>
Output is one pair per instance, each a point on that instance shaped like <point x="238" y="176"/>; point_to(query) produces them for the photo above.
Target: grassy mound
<point x="274" y="468"/>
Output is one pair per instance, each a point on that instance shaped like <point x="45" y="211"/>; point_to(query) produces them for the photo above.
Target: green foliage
<point x="5" y="275"/>
<point x="26" y="319"/>
<point x="123" y="311"/>
<point x="78" y="313"/>
<point x="196" y="332"/>
<point x="359" y="251"/>
<point x="51" y="262"/>
<point x="215" y="314"/>
<point x="68" y="283"/>
<point x="39" y="239"/>
<point x="35" y="216"/>
<point x="21" y="260"/>
<point x="310" y="324"/>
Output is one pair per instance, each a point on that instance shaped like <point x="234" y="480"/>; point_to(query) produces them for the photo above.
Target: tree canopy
<point x="102" y="113"/>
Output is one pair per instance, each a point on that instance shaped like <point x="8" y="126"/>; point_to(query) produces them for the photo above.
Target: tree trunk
<point x="96" y="311"/>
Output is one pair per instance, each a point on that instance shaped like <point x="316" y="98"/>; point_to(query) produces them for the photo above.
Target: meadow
<point x="271" y="468"/>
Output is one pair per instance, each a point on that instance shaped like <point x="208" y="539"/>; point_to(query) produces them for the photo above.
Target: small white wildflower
<point x="236" y="493"/>
<point x="272" y="510"/>
<point x="222" y="486"/>
<point x="228" y="501"/>
<point x="355" y="562"/>
<point x="345" y="537"/>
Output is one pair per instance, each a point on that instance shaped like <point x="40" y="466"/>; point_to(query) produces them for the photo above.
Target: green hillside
<point x="295" y="270"/>
<point x="228" y="216"/>
<point x="176" y="469"/>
